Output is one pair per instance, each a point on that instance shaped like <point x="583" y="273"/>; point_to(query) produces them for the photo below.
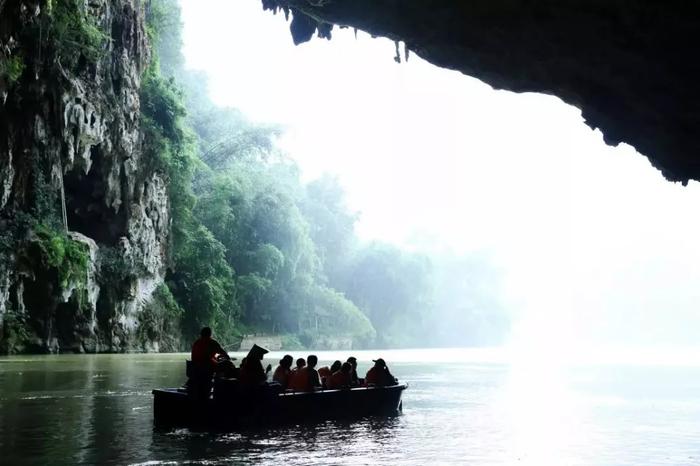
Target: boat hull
<point x="234" y="408"/>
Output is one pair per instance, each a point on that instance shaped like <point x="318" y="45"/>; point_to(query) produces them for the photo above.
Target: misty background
<point x="530" y="222"/>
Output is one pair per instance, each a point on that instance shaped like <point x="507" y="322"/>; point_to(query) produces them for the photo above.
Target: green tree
<point x="202" y="283"/>
<point x="200" y="278"/>
<point x="255" y="248"/>
<point x="394" y="289"/>
<point x="331" y="224"/>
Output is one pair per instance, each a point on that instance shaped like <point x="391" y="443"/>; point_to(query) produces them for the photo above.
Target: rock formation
<point x="71" y="149"/>
<point x="629" y="66"/>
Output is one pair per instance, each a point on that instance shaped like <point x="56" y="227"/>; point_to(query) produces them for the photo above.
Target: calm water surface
<point x="462" y="407"/>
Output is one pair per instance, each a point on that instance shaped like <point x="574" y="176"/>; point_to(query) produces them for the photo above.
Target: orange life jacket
<point x="324" y="372"/>
<point x="339" y="379"/>
<point x="300" y="380"/>
<point x="203" y="352"/>
<point x="374" y="376"/>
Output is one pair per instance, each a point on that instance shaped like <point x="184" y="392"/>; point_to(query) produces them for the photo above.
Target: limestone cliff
<point x="629" y="66"/>
<point x="71" y="152"/>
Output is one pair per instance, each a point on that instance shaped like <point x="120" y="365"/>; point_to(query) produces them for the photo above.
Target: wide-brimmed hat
<point x="258" y="351"/>
<point x="379" y="362"/>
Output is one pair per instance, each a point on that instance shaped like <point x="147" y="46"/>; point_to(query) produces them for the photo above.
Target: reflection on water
<point x="331" y="442"/>
<point x="462" y="407"/>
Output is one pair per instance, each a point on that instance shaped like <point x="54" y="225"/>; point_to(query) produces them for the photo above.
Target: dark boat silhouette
<point x="233" y="405"/>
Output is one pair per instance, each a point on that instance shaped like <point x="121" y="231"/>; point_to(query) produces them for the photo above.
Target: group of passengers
<point x="208" y="357"/>
<point x="305" y="377"/>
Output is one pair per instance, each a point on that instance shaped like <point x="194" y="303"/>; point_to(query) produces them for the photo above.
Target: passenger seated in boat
<point x="294" y="374"/>
<point x="314" y="379"/>
<point x="283" y="371"/>
<point x="306" y="379"/>
<point x="252" y="372"/>
<point x="341" y="378"/>
<point x="325" y="372"/>
<point x="352" y="360"/>
<point x="379" y="375"/>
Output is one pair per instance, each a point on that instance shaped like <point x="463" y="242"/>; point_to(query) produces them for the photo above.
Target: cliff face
<point x="629" y="66"/>
<point x="71" y="151"/>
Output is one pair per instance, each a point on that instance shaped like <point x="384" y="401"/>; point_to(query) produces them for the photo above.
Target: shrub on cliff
<point x="70" y="258"/>
<point x="74" y="34"/>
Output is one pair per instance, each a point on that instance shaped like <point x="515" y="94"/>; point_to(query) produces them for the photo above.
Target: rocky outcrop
<point x="71" y="150"/>
<point x="629" y="66"/>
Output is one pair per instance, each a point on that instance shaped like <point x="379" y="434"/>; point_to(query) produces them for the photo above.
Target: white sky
<point x="595" y="243"/>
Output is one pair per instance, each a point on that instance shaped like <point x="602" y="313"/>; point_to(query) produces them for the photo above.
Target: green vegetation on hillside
<point x="253" y="247"/>
<point x="74" y="33"/>
<point x="11" y="68"/>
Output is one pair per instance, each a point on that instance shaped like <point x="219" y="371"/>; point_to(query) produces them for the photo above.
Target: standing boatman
<point x="205" y="354"/>
<point x="206" y="351"/>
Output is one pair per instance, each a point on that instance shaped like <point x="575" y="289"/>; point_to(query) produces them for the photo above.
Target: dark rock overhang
<point x="632" y="67"/>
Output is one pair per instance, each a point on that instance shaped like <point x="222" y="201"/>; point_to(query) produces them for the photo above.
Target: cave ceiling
<point x="632" y="67"/>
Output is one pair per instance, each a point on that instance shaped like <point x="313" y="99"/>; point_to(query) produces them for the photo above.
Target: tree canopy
<point x="256" y="249"/>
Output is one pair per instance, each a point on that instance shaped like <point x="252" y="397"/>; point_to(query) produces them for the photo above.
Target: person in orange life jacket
<point x="295" y="381"/>
<point x="283" y="371"/>
<point x="379" y="374"/>
<point x="206" y="350"/>
<point x="325" y="372"/>
<point x="306" y="379"/>
<point x="204" y="362"/>
<point x="341" y="378"/>
<point x="252" y="372"/>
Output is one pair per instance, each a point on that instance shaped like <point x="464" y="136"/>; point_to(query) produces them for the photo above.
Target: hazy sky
<point x="595" y="243"/>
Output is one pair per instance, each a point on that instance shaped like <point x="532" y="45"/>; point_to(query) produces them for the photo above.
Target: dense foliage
<point x="67" y="256"/>
<point x="11" y="68"/>
<point x="75" y="35"/>
<point x="254" y="248"/>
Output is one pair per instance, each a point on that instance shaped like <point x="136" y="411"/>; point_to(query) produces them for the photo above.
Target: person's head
<point x="301" y="362"/>
<point x="312" y="360"/>
<point x="336" y="366"/>
<point x="379" y="363"/>
<point x="352" y="360"/>
<point x="206" y="332"/>
<point x="286" y="361"/>
<point x="346" y="367"/>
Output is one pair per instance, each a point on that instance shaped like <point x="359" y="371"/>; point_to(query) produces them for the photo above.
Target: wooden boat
<point x="233" y="406"/>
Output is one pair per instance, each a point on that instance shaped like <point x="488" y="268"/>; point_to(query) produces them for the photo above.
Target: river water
<point x="462" y="407"/>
